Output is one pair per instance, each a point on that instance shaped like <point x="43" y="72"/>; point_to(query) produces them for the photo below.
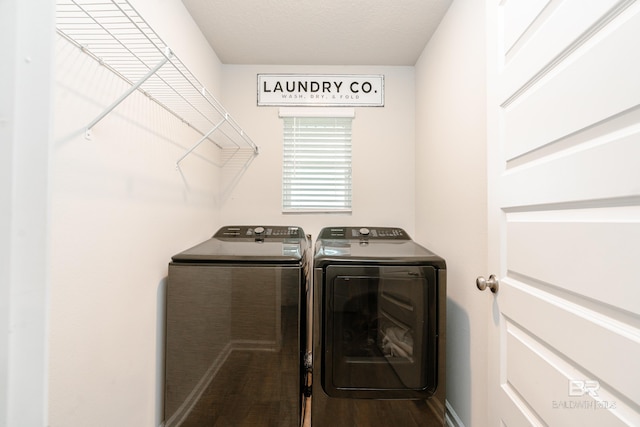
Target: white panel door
<point x="564" y="200"/>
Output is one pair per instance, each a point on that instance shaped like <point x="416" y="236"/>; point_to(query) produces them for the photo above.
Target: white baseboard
<point x="451" y="418"/>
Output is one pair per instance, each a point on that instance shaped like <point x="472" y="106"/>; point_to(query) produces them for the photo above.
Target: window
<point x="316" y="173"/>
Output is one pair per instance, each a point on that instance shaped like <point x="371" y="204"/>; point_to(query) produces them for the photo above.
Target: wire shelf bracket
<point x="200" y="141"/>
<point x="128" y="92"/>
<point x="114" y="34"/>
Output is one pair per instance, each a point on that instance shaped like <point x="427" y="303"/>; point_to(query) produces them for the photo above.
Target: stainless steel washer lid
<point x="249" y="244"/>
<point x="371" y="245"/>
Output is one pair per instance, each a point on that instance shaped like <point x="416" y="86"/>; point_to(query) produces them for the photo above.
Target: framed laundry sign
<point x="353" y="90"/>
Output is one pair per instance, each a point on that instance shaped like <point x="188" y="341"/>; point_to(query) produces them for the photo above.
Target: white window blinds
<point x="316" y="172"/>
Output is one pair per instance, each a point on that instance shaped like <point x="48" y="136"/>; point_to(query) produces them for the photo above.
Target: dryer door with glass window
<point x="380" y="331"/>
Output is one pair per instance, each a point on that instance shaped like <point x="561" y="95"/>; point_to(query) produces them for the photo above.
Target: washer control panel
<point x="382" y="233"/>
<point x="259" y="232"/>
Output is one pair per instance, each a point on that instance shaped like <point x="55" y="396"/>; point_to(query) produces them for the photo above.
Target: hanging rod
<point x="114" y="34"/>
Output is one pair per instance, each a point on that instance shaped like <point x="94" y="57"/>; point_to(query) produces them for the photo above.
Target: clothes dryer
<point x="378" y="337"/>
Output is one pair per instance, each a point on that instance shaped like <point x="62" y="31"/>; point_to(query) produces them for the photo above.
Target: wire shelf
<point x="114" y="34"/>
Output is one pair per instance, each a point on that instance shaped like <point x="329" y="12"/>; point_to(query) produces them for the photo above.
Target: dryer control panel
<point x="382" y="233"/>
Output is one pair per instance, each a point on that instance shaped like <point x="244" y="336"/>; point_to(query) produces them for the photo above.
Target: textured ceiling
<point x="318" y="32"/>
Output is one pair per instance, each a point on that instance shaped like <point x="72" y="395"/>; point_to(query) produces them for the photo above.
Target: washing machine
<point x="376" y="356"/>
<point x="235" y="329"/>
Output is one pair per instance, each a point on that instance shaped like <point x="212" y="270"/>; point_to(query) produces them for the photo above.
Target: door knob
<point x="492" y="283"/>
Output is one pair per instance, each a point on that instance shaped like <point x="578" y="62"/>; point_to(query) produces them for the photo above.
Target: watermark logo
<point x="578" y="388"/>
<point x="583" y="394"/>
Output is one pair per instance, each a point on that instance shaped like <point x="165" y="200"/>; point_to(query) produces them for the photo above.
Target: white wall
<point x="451" y="181"/>
<point x="25" y="123"/>
<point x="383" y="149"/>
<point x="120" y="209"/>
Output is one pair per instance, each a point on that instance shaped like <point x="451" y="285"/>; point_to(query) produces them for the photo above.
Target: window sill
<point x="316" y="211"/>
